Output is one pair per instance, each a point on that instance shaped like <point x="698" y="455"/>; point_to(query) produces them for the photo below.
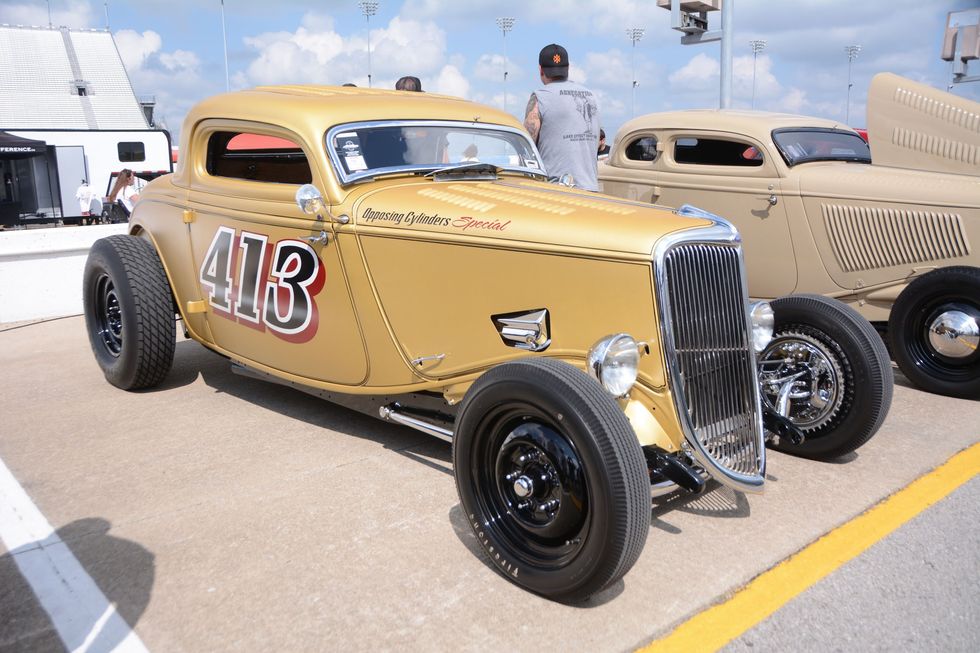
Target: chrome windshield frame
<point x="346" y="179"/>
<point x="721" y="232"/>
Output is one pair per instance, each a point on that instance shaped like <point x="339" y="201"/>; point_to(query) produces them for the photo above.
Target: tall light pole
<point x="757" y="45"/>
<point x="852" y="53"/>
<point x="634" y="34"/>
<point x="224" y="40"/>
<point x="368" y="8"/>
<point x="505" y="24"/>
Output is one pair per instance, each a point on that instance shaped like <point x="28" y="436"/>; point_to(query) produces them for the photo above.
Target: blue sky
<point x="173" y="49"/>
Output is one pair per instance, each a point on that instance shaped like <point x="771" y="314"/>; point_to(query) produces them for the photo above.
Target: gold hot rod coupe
<point x="405" y="255"/>
<point x="892" y="230"/>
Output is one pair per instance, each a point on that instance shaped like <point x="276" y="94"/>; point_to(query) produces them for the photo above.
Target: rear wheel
<point x="552" y="478"/>
<point x="934" y="328"/>
<point x="828" y="371"/>
<point x="129" y="312"/>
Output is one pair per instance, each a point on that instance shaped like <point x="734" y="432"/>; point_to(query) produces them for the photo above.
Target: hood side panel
<point x="911" y="125"/>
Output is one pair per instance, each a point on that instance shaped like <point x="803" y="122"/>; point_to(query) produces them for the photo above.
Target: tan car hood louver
<point x="915" y="126"/>
<point x="866" y="238"/>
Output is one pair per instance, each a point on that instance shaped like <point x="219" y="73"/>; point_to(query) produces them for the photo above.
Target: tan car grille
<point x="709" y="334"/>
<point x="867" y="238"/>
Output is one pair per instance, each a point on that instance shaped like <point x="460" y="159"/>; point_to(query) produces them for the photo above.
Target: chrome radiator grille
<point x="714" y="376"/>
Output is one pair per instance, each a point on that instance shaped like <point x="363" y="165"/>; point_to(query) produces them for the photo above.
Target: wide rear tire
<point x="551" y="478"/>
<point x="129" y="312"/>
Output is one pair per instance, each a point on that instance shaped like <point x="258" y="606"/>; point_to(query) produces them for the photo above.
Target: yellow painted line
<point x="718" y="625"/>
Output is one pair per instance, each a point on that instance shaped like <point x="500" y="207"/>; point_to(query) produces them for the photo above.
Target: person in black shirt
<point x="603" y="148"/>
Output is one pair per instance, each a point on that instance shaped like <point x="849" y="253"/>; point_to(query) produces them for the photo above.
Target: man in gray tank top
<point x="563" y="119"/>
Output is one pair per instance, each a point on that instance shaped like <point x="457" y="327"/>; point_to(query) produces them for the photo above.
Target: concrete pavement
<point x="219" y="512"/>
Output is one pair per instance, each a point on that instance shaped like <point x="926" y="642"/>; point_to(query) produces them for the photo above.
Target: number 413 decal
<point x="275" y="287"/>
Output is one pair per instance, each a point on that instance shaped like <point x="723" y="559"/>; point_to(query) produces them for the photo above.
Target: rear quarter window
<point x="257" y="157"/>
<point x="716" y="152"/>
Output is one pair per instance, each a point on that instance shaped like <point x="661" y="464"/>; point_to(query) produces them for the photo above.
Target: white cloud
<point x="315" y="53"/>
<point x="490" y="67"/>
<point x="136" y="48"/>
<point x="700" y="73"/>
<point x="577" y="74"/>
<point x="179" y="61"/>
<point x="450" y="81"/>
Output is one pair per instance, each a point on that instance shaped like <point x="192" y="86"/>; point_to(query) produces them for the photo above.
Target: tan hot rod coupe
<point x="580" y="352"/>
<point x="897" y="238"/>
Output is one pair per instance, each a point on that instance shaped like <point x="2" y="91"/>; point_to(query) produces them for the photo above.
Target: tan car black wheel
<point x="934" y="332"/>
<point x="129" y="312"/>
<point x="552" y="478"/>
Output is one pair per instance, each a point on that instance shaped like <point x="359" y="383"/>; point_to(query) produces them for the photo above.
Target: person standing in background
<point x="603" y="152"/>
<point x="563" y="119"/>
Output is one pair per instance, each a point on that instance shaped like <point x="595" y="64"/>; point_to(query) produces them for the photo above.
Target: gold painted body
<point x="856" y="232"/>
<point x="406" y="303"/>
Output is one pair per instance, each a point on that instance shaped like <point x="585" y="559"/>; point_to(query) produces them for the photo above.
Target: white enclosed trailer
<point x="96" y="156"/>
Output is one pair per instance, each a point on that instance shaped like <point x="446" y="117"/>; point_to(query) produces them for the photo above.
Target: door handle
<point x="322" y="238"/>
<point x="773" y="200"/>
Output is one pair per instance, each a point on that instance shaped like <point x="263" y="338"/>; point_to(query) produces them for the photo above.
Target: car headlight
<point x="763" y="321"/>
<point x="614" y="361"/>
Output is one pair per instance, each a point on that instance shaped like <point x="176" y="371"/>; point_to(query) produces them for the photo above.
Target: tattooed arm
<point x="532" y="118"/>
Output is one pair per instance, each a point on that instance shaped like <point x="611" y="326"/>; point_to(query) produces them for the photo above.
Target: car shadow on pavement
<point x="123" y="570"/>
<point x="188" y="358"/>
<point x="463" y="531"/>
<point x="295" y="404"/>
<point x="716" y="501"/>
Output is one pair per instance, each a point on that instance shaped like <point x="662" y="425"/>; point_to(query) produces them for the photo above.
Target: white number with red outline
<point x="276" y="285"/>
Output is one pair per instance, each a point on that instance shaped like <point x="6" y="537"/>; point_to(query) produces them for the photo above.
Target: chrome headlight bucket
<point x="763" y="323"/>
<point x="614" y="362"/>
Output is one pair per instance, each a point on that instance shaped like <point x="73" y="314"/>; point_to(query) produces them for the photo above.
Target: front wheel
<point x="828" y="371"/>
<point x="934" y="332"/>
<point x="552" y="478"/>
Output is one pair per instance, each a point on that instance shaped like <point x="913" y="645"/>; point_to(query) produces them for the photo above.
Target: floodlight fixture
<point x="505" y="24"/>
<point x="634" y="34"/>
<point x="369" y="8"/>
<point x="852" y="53"/>
<point x="757" y="45"/>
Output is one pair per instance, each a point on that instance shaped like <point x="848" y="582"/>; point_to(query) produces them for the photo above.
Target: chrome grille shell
<point x="706" y="331"/>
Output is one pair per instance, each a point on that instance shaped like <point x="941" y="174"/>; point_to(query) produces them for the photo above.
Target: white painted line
<point x="80" y="612"/>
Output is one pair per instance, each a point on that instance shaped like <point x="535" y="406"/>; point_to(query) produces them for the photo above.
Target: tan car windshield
<point x="816" y="144"/>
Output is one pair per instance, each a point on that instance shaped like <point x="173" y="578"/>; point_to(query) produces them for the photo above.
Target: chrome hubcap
<point x="524" y="487"/>
<point x="954" y="334"/>
<point x="801" y="380"/>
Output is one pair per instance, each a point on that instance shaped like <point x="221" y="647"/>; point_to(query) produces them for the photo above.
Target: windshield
<point x="799" y="145"/>
<point x="364" y="150"/>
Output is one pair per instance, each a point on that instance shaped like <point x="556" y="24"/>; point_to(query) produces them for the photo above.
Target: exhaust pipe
<point x="391" y="413"/>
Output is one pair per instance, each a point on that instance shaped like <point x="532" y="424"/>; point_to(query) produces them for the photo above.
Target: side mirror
<point x="310" y="202"/>
<point x="309" y="199"/>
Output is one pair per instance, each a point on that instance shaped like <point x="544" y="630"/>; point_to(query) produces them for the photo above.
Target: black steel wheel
<point x="552" y="478"/>
<point x="828" y="372"/>
<point x="129" y="312"/>
<point x="933" y="328"/>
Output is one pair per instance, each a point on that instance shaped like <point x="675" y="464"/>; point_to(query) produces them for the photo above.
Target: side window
<point x="716" y="152"/>
<point x="257" y="157"/>
<point x="131" y="151"/>
<point x="642" y="149"/>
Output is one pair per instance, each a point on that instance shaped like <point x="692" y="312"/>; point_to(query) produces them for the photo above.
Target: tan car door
<point x="273" y="281"/>
<point x="736" y="178"/>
